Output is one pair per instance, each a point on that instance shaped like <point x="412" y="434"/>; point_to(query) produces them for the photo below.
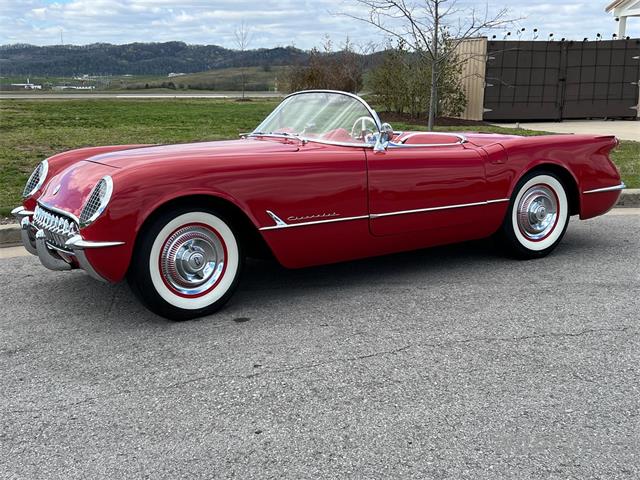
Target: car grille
<point x="57" y="228"/>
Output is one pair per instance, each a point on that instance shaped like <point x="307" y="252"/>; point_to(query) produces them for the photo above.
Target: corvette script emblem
<point x="293" y="218"/>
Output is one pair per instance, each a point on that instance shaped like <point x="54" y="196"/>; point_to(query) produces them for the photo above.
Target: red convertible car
<point x="320" y="180"/>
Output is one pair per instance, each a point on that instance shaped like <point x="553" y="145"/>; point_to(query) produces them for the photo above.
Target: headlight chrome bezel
<point x="43" y="170"/>
<point x="89" y="212"/>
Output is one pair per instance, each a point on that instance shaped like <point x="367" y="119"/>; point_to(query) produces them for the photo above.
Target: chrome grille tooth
<point x="58" y="228"/>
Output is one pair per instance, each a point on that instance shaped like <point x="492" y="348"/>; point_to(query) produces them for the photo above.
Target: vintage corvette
<point x="320" y="180"/>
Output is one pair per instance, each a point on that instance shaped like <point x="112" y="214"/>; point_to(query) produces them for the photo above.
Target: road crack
<point x="404" y="348"/>
<point x="308" y="366"/>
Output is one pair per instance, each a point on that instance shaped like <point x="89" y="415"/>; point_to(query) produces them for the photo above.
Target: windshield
<point x="324" y="116"/>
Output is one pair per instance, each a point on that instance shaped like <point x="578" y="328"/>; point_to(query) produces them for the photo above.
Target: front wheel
<point x="537" y="218"/>
<point x="186" y="264"/>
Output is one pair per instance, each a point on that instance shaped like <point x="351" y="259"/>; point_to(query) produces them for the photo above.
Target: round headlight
<point x="36" y="179"/>
<point x="97" y="201"/>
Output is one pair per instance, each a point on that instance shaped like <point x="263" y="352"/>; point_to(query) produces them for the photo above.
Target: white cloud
<point x="273" y="22"/>
<point x="39" y="13"/>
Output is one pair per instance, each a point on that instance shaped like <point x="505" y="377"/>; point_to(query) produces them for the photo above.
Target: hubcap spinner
<point x="192" y="260"/>
<point x="537" y="212"/>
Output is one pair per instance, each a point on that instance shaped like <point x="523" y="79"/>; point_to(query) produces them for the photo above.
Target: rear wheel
<point x="537" y="218"/>
<point x="186" y="264"/>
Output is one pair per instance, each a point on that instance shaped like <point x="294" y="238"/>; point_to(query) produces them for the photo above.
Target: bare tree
<point x="354" y="58"/>
<point x="329" y="69"/>
<point x="432" y="29"/>
<point x="242" y="39"/>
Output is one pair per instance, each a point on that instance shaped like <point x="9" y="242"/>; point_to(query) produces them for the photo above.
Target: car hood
<point x="69" y="189"/>
<point x="243" y="148"/>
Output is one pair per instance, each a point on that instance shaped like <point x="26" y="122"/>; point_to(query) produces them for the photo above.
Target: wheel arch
<point x="567" y="178"/>
<point x="253" y="242"/>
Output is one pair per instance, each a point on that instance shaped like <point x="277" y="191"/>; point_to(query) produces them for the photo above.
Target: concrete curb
<point x="629" y="198"/>
<point x="10" y="234"/>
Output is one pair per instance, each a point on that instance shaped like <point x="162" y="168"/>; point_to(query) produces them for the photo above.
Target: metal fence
<point x="536" y="80"/>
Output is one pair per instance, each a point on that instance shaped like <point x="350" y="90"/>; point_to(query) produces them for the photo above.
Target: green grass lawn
<point x="33" y="130"/>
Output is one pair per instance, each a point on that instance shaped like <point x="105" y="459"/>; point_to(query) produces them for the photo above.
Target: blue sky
<point x="302" y="23"/>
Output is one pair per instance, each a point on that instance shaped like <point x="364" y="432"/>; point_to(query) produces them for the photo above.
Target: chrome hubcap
<point x="192" y="259"/>
<point x="537" y="212"/>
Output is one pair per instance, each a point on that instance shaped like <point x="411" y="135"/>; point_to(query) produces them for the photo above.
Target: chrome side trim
<point x="77" y="243"/>
<point x="622" y="186"/>
<point x="374" y="215"/>
<point x="60" y="211"/>
<point x="316" y="222"/>
<point x="277" y="219"/>
<point x="432" y="209"/>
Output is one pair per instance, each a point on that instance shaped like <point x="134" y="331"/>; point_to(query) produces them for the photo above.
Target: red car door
<point x="421" y="187"/>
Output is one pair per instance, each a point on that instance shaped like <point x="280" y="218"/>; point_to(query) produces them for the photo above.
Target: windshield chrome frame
<point x="304" y="139"/>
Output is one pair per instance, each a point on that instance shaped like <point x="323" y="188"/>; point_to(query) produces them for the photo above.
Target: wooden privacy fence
<point x="472" y="54"/>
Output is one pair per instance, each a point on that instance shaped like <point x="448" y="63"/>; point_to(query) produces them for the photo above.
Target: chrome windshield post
<point x="383" y="138"/>
<point x="380" y="145"/>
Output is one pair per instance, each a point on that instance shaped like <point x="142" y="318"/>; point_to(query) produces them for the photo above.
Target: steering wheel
<point x="361" y="122"/>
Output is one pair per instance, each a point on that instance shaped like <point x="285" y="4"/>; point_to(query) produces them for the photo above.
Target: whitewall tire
<point x="538" y="216"/>
<point x="186" y="263"/>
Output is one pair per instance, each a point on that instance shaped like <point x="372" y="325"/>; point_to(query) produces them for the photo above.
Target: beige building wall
<point x="473" y="53"/>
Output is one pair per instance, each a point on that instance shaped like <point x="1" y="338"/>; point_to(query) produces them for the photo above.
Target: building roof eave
<point x="614" y="4"/>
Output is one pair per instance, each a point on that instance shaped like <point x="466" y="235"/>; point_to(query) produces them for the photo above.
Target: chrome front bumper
<point x="56" y="256"/>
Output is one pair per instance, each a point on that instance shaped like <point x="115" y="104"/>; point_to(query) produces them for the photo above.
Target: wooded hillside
<point x="136" y="58"/>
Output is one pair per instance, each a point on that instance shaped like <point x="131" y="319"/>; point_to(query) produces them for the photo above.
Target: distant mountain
<point x="135" y="58"/>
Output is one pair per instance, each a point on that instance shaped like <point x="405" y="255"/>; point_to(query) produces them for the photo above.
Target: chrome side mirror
<point x="383" y="138"/>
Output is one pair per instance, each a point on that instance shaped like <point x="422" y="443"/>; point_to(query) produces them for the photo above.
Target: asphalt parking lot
<point x="444" y="363"/>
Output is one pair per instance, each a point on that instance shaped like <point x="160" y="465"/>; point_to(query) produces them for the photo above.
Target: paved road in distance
<point x="445" y="363"/>
<point x="138" y="95"/>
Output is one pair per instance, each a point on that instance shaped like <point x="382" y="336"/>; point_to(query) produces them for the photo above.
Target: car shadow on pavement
<point x="267" y="277"/>
<point x="266" y="284"/>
